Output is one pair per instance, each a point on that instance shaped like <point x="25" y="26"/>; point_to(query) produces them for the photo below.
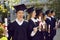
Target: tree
<point x="3" y="11"/>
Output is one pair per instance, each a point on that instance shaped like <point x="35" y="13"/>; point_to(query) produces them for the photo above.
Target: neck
<point x="20" y="19"/>
<point x="48" y="16"/>
<point x="32" y="17"/>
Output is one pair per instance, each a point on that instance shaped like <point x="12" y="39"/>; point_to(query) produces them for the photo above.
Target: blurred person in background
<point x="32" y="24"/>
<point x="54" y="24"/>
<point x="39" y="17"/>
<point x="49" y="24"/>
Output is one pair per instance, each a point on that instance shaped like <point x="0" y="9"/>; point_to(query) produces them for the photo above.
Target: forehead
<point x="20" y="11"/>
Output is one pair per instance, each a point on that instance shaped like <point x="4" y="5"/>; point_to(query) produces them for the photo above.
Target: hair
<point x="52" y="11"/>
<point x="29" y="16"/>
<point x="47" y="12"/>
<point x="43" y="18"/>
<point x="37" y="16"/>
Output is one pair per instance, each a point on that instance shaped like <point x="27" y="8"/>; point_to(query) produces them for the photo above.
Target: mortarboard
<point x="38" y="11"/>
<point x="20" y="7"/>
<point x="47" y="12"/>
<point x="30" y="10"/>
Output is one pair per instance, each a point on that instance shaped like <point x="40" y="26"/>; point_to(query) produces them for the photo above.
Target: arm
<point x="9" y="31"/>
<point x="34" y="31"/>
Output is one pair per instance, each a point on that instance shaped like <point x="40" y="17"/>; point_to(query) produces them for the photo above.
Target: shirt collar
<point x="19" y="23"/>
<point x="49" y="18"/>
<point x="34" y="20"/>
<point x="52" y="16"/>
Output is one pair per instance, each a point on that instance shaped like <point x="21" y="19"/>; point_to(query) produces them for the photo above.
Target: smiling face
<point x="20" y="14"/>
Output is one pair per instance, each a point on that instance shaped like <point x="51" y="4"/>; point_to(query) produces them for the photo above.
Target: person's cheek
<point x="54" y="14"/>
<point x="17" y="14"/>
<point x="22" y="15"/>
<point x="34" y="15"/>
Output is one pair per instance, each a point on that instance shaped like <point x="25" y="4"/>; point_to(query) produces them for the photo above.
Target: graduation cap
<point x="30" y="10"/>
<point x="20" y="7"/>
<point x="47" y="12"/>
<point x="38" y="11"/>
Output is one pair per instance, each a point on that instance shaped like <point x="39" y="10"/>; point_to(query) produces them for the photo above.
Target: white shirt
<point x="34" y="20"/>
<point x="48" y="18"/>
<point x="52" y="16"/>
<point x="19" y="23"/>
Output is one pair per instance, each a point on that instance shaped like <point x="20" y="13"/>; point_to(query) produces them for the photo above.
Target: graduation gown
<point x="53" y="25"/>
<point x="43" y="25"/>
<point x="17" y="32"/>
<point x="38" y="35"/>
<point x="48" y="22"/>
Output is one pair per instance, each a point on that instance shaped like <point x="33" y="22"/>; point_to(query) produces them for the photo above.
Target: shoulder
<point x="12" y="23"/>
<point x="47" y="19"/>
<point x="30" y="20"/>
<point x="25" y="22"/>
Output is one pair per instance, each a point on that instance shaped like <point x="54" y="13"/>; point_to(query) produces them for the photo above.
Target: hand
<point x="44" y="37"/>
<point x="55" y="28"/>
<point x="49" y="35"/>
<point x="48" y="31"/>
<point x="35" y="29"/>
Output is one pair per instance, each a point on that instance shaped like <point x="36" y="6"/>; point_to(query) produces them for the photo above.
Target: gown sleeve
<point x="10" y="31"/>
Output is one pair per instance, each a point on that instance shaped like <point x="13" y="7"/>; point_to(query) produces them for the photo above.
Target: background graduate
<point x="39" y="14"/>
<point x="53" y="23"/>
<point x="49" y="25"/>
<point x="17" y="29"/>
<point x="33" y="24"/>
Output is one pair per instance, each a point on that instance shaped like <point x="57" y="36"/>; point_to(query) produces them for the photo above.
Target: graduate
<point x="49" y="27"/>
<point x="44" y="25"/>
<point x="39" y="16"/>
<point x="33" y="24"/>
<point x="17" y="30"/>
<point x="53" y="23"/>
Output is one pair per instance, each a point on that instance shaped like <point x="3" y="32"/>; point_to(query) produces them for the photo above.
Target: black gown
<point x="53" y="25"/>
<point x="38" y="35"/>
<point x="17" y="32"/>
<point x="48" y="22"/>
<point x="52" y="31"/>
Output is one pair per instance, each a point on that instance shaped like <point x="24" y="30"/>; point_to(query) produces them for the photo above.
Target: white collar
<point x="19" y="23"/>
<point x="52" y="16"/>
<point x="49" y="18"/>
<point x="38" y="19"/>
<point x="34" y="20"/>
